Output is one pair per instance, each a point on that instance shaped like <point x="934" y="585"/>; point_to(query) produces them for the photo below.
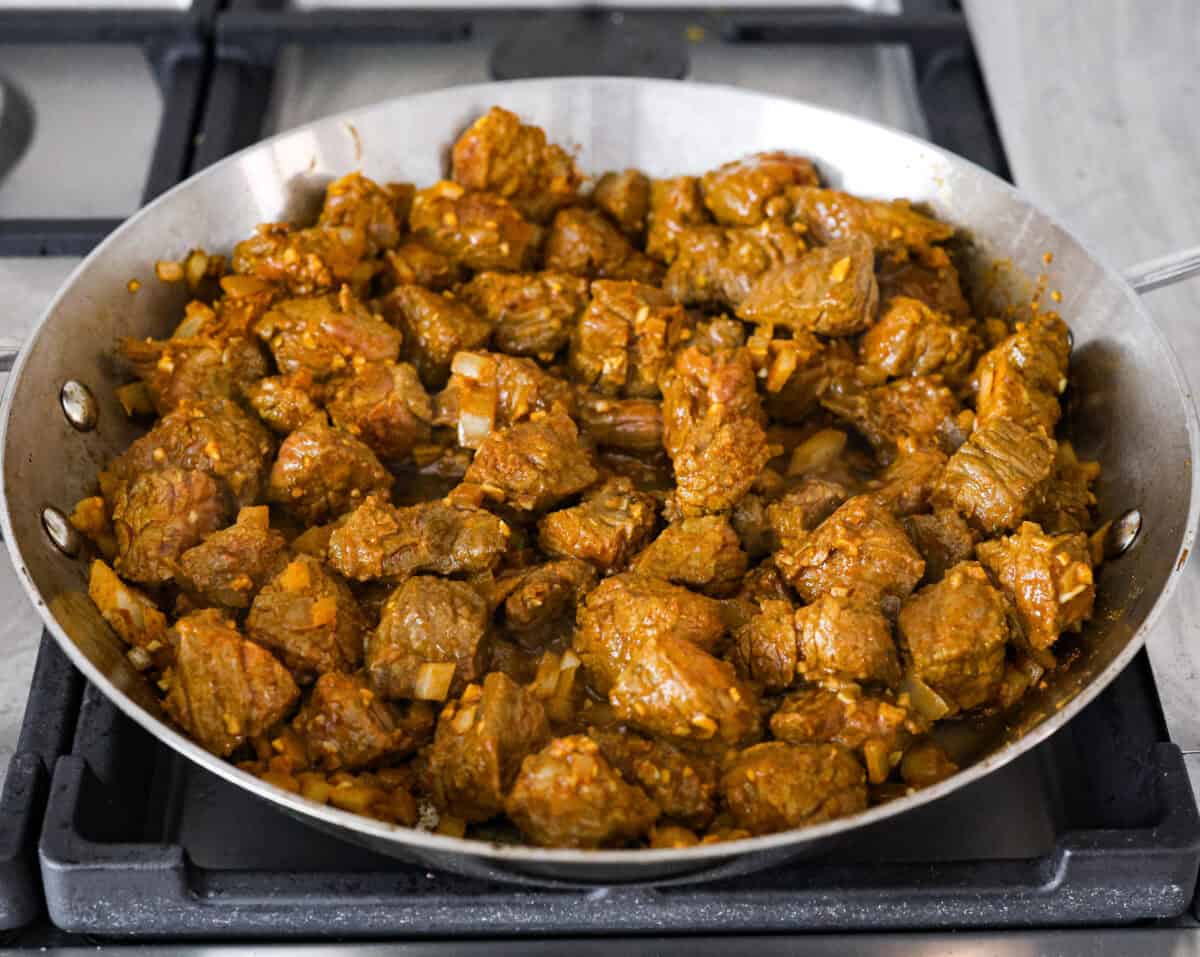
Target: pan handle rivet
<point x="79" y="405"/>
<point x="61" y="532"/>
<point x="1123" y="534"/>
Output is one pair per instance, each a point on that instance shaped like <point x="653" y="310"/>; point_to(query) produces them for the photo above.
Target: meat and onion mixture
<point x="595" y="513"/>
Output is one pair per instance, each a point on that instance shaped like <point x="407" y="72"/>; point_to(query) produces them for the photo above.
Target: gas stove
<point x="107" y="836"/>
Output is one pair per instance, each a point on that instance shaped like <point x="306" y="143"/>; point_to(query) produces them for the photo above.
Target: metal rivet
<point x="1070" y="339"/>
<point x="79" y="405"/>
<point x="1123" y="534"/>
<point x="61" y="532"/>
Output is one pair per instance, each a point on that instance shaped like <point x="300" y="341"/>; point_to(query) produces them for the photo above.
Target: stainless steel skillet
<point x="1134" y="412"/>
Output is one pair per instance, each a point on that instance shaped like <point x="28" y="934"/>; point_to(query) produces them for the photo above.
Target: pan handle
<point x="1164" y="271"/>
<point x="10" y="348"/>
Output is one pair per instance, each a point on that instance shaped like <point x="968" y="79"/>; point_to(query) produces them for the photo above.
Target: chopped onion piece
<point x="476" y="415"/>
<point x="782" y="366"/>
<point x="570" y="661"/>
<point x="433" y="681"/>
<point x="472" y="365"/>
<point x="168" y="271"/>
<point x="135" y="399"/>
<point x="139" y="658"/>
<point x="816" y="452"/>
<point x="243" y="285"/>
<point x="879" y="765"/>
<point x="546" y="680"/>
<point x="927" y="701"/>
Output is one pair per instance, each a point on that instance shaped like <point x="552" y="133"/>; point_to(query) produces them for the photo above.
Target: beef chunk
<point x="225" y="690"/>
<point x="913" y="339"/>
<point x="1048" y="578"/>
<point x="675" y="204"/>
<point x="481" y="231"/>
<point x="379" y="541"/>
<point x="428" y="620"/>
<point x="609" y="526"/>
<point x="1067" y="500"/>
<point x="321" y="472"/>
<point x="801" y="510"/>
<point x="846" y="640"/>
<point x="199" y="368"/>
<point x="501" y="154"/>
<point x="131" y="613"/>
<point x="322" y="335"/>
<point x="625" y="198"/>
<point x="412" y="263"/>
<point x="385" y="406"/>
<point x="953" y="635"/>
<point x="712" y="428"/>
<point x="917" y="411"/>
<point x="436" y="326"/>
<point x="892" y="225"/>
<point x="541" y="597"/>
<point x="309" y="618"/>
<point x="830" y="290"/>
<point x="684" y="787"/>
<point x="531" y="314"/>
<point x="346" y="727"/>
<point x="777" y="786"/>
<point x="480" y="744"/>
<point x="230" y="565"/>
<point x="357" y="203"/>
<point x="568" y="795"/>
<point x="703" y="553"/>
<point x="1022" y="377"/>
<point x="306" y="261"/>
<point x="819" y="364"/>
<point x="906" y="485"/>
<point x="283" y="402"/>
<point x="160" y="515"/>
<point x="633" y="425"/>
<point x="995" y="479"/>
<point x="213" y="436"/>
<point x="766" y="648"/>
<point x="672" y="687"/>
<point x="859" y="552"/>
<point x="533" y="465"/>
<point x="626" y="611"/>
<point x="943" y="538"/>
<point x="925" y="764"/>
<point x="716" y="266"/>
<point x="740" y="193"/>
<point x="582" y="242"/>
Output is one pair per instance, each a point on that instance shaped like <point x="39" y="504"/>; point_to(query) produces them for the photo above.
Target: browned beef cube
<point x="412" y="263"/>
<point x="953" y="634"/>
<point x="625" y="198"/>
<point x="428" y="620"/>
<point x="436" y="326"/>
<point x="480" y="743"/>
<point x="675" y="204"/>
<point x="605" y="529"/>
<point x="345" y="726"/>
<point x="307" y="261"/>
<point x="584" y="243"/>
<point x="532" y="313"/>
<point x="925" y="764"/>
<point x="546" y="595"/>
<point x="634" y="425"/>
<point x="859" y="552"/>
<point x="672" y="687"/>
<point x="1021" y="378"/>
<point x="1067" y="500"/>
<point x="131" y="613"/>
<point x="625" y="611"/>
<point x="830" y="290"/>
<point x="323" y="334"/>
<point x="912" y="339"/>
<point x="321" y="472"/>
<point x="160" y="515"/>
<point x="624" y="340"/>
<point x="892" y="225"/>
<point x="740" y="193"/>
<point x="357" y="203"/>
<point x="765" y="648"/>
<point x="840" y="638"/>
<point x="310" y="619"/>
<point x="702" y="553"/>
<point x="568" y="795"/>
<point x="906" y="485"/>
<point x="479" y="230"/>
<point x="1048" y="578"/>
<point x="928" y="276"/>
<point x="283" y="402"/>
<point x="801" y="510"/>
<point x="384" y="405"/>
<point x="995" y="479"/>
<point x="533" y="465"/>
<point x="717" y="266"/>
<point x="202" y="368"/>
<point x="819" y="364"/>
<point x="684" y="787"/>
<point x="213" y="436"/>
<point x="224" y="689"/>
<point x="502" y="155"/>
<point x="230" y="565"/>
<point x="919" y="411"/>
<point x="943" y="538"/>
<point x="379" y="541"/>
<point x="777" y="786"/>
